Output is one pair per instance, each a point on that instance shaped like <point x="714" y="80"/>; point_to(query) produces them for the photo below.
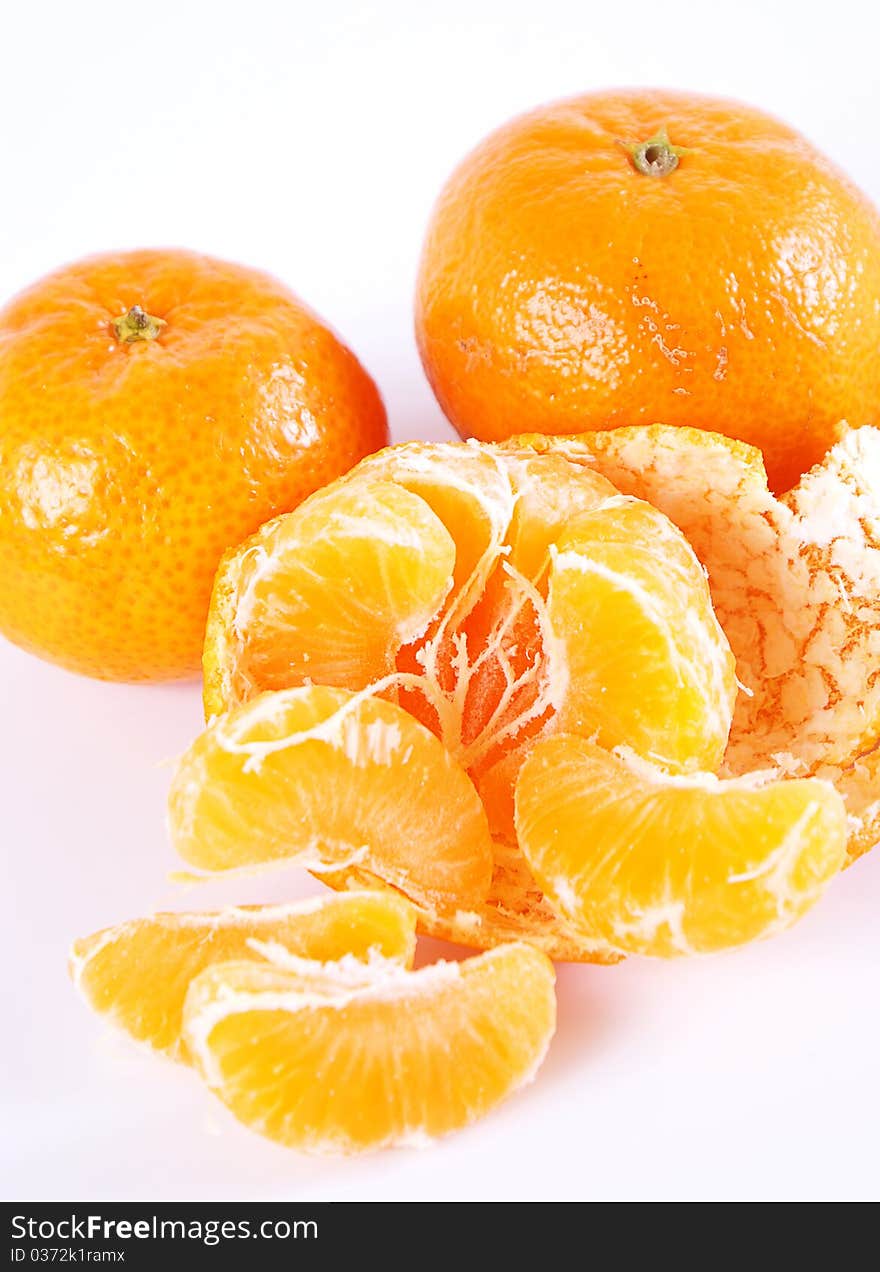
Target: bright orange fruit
<point x="666" y="865"/>
<point x="156" y="407"/>
<point x="137" y="973"/>
<point x="636" y="255"/>
<point x="349" y="1059"/>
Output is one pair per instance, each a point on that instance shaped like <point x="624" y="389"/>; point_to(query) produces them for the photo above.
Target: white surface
<point x="311" y="140"/>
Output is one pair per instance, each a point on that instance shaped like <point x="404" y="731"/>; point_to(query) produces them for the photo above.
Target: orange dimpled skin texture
<point x="131" y="459"/>
<point x="563" y="289"/>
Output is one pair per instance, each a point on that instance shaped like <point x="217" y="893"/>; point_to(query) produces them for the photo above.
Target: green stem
<point x="137" y="325"/>
<point x="656" y="157"/>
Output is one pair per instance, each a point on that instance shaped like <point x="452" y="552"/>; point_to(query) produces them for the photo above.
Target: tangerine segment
<point x="549" y="491"/>
<point x="327" y="593"/>
<point x="137" y="973"/>
<point x="343" y="1058"/>
<point x="330" y="778"/>
<point x="662" y="865"/>
<point x="648" y="664"/>
<point x="467" y="487"/>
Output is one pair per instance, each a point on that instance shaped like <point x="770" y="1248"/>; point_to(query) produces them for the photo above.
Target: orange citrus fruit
<point x="658" y="864"/>
<point x="137" y="973"/>
<point x="156" y="407"/>
<point x="346" y="1059"/>
<point x="633" y="256"/>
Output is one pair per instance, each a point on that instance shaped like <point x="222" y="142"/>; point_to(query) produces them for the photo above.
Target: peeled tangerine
<point x="489" y="680"/>
<point x="494" y="595"/>
<point x="137" y="973"/>
<point x="506" y="595"/>
<point x="343" y="1058"/>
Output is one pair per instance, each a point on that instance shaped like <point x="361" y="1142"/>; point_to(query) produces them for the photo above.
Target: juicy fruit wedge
<point x="330" y="778"/>
<point x="346" y="1059"/>
<point x="663" y="865"/>
<point x="137" y="973"/>
<point x="328" y="594"/>
<point x="649" y="667"/>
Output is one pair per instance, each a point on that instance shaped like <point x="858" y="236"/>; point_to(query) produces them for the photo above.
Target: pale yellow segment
<point x="330" y="778"/>
<point x="648" y="664"/>
<point x="663" y="865"/>
<point x="136" y="973"/>
<point x="328" y="593"/>
<point x="341" y="1059"/>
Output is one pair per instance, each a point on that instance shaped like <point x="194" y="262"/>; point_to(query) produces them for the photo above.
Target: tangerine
<point x="638" y="256"/>
<point x="156" y="407"/>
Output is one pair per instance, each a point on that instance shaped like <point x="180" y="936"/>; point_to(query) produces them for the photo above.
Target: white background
<point x="310" y="139"/>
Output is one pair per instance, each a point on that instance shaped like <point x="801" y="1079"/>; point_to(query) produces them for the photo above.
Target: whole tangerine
<point x="642" y="256"/>
<point x="155" y="408"/>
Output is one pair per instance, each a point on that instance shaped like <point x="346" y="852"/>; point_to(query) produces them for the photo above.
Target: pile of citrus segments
<point x="557" y="698"/>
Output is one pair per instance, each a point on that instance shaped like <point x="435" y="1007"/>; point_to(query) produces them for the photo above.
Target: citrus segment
<point x="328" y="593"/>
<point x="137" y="973"/>
<point x="664" y="865"/>
<point x="467" y="487"/>
<point x="549" y="491"/>
<point x="328" y="777"/>
<point x="347" y="1059"/>
<point x="648" y="665"/>
<point x="514" y="680"/>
